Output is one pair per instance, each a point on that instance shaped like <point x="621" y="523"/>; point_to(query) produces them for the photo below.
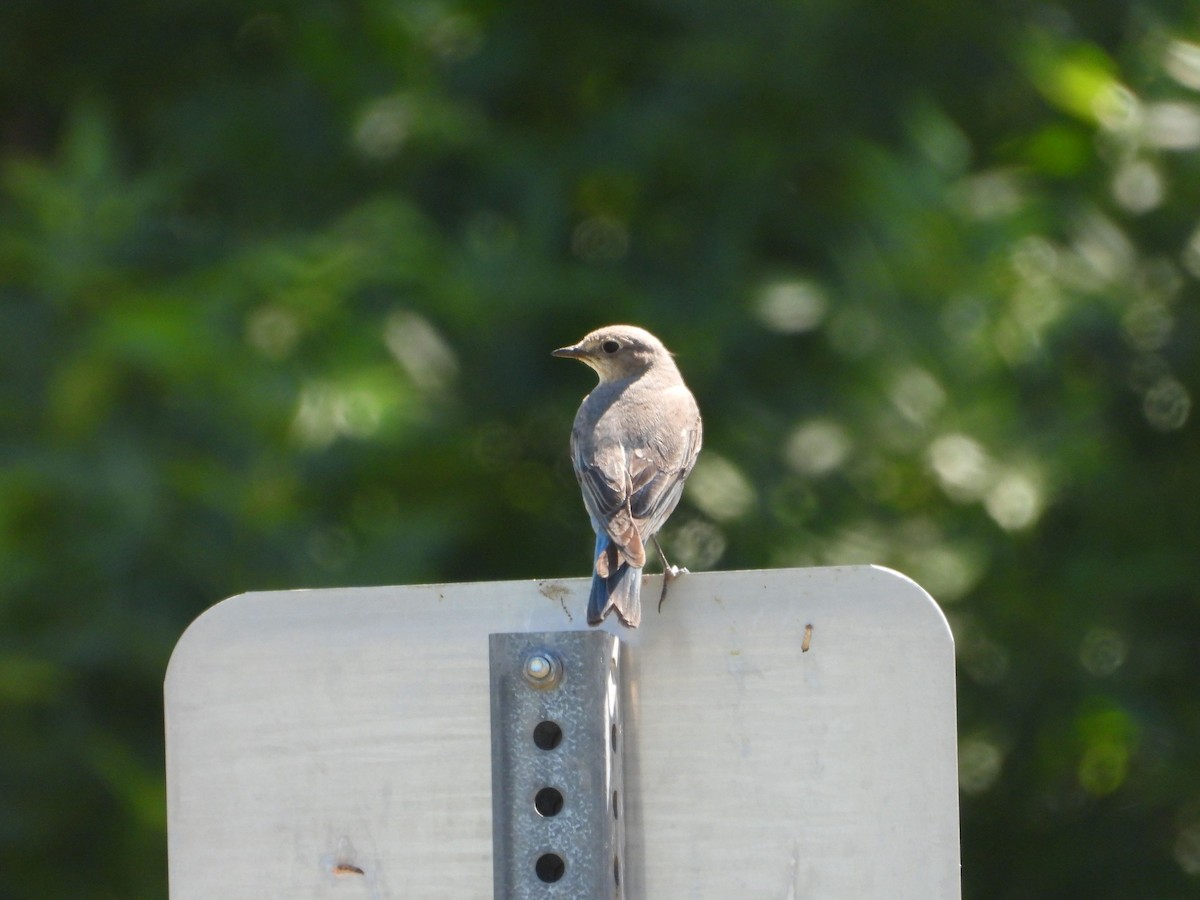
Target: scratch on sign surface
<point x="556" y="590"/>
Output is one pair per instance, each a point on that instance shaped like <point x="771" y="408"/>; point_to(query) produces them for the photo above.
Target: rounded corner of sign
<point x="195" y="637"/>
<point x="919" y="596"/>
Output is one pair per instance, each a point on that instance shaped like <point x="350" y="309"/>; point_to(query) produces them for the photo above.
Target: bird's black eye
<point x="610" y="346"/>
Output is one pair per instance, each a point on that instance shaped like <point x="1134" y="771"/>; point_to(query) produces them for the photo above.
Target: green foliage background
<point x="278" y="287"/>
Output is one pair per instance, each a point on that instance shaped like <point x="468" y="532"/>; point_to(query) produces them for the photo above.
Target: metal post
<point x="557" y="774"/>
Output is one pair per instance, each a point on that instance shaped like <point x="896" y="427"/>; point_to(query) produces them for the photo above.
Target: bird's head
<point x="618" y="351"/>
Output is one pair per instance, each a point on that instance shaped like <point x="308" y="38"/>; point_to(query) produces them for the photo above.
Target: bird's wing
<point x="607" y="488"/>
<point x="657" y="475"/>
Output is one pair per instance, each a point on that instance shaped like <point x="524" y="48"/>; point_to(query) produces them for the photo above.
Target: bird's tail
<point x="621" y="590"/>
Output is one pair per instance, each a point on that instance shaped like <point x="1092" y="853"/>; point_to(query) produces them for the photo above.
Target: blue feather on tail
<point x="622" y="590"/>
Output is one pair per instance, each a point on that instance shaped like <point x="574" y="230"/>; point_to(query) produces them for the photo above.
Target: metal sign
<point x="783" y="733"/>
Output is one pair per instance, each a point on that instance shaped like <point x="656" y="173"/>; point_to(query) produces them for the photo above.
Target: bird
<point x="634" y="442"/>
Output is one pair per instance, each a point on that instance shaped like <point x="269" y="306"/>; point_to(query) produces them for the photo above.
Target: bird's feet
<point x="670" y="573"/>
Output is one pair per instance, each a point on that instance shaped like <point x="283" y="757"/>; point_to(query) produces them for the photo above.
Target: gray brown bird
<point x="635" y="440"/>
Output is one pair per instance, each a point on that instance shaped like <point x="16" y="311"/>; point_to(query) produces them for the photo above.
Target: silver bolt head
<point x="541" y="669"/>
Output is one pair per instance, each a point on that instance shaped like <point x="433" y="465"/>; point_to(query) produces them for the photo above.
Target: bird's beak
<point x="569" y="352"/>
